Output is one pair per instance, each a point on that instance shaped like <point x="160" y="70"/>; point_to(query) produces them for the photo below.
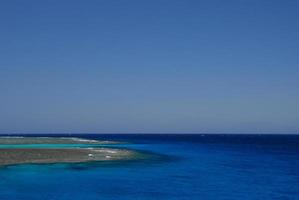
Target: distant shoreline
<point x="50" y="140"/>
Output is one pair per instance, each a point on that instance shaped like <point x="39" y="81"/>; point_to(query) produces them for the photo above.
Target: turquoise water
<point x="190" y="167"/>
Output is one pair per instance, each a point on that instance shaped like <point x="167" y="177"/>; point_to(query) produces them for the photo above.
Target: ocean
<point x="189" y="167"/>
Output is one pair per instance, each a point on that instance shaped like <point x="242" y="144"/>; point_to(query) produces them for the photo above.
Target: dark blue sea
<point x="190" y="167"/>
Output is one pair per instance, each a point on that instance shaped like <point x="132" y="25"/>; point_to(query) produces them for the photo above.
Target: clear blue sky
<point x="149" y="66"/>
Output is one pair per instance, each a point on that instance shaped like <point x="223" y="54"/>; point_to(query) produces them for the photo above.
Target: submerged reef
<point x="13" y="156"/>
<point x="68" y="155"/>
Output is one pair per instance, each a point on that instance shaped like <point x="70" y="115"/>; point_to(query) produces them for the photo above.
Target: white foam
<point x="110" y="151"/>
<point x="82" y="140"/>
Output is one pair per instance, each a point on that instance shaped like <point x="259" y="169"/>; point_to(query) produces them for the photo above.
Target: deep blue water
<point x="207" y="167"/>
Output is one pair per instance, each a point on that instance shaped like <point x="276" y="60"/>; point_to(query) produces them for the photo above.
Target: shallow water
<point x="193" y="167"/>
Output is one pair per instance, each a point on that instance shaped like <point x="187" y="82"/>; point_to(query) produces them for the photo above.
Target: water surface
<point x="192" y="167"/>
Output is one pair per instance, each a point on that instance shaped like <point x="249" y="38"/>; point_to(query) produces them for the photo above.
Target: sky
<point x="159" y="66"/>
